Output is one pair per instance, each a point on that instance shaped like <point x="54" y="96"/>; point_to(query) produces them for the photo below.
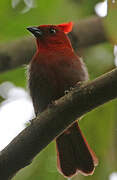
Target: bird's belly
<point x="48" y="83"/>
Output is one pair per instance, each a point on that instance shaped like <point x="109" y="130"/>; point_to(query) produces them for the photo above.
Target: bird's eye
<point x="52" y="31"/>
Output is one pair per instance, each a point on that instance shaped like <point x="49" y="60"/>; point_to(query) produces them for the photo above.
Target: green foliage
<point x="99" y="126"/>
<point x="1" y="99"/>
<point x="16" y="76"/>
<point x="111" y="22"/>
<point x="99" y="59"/>
<point x="14" y="23"/>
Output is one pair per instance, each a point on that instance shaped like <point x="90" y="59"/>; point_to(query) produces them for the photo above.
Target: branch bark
<point x="54" y="120"/>
<point x="85" y="33"/>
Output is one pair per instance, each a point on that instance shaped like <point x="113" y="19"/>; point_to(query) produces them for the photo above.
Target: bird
<point x="54" y="69"/>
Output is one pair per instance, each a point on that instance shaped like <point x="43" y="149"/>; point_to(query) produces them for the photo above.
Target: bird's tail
<point x="74" y="153"/>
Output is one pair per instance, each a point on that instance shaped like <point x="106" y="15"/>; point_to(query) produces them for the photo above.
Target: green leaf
<point x="16" y="76"/>
<point x="1" y="99"/>
<point x="110" y="22"/>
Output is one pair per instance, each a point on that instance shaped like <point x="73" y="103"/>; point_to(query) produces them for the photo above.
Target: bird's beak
<point x="35" y="31"/>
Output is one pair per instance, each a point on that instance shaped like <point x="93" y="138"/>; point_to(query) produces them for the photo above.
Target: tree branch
<point x="88" y="32"/>
<point x="50" y="123"/>
<point x="85" y="33"/>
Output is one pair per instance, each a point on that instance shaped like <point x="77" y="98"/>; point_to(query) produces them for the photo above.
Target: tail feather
<point x="65" y="165"/>
<point x="74" y="154"/>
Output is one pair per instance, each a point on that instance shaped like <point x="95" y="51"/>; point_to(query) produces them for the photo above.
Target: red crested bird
<point x="54" y="69"/>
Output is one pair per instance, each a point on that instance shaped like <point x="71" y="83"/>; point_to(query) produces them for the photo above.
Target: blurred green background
<point x="100" y="125"/>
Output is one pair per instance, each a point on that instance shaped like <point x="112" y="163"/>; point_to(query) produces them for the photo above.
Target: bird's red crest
<point x="66" y="27"/>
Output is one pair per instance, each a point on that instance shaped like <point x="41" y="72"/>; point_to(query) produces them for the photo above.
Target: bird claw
<point x="78" y="84"/>
<point x="52" y="104"/>
<point x="71" y="88"/>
